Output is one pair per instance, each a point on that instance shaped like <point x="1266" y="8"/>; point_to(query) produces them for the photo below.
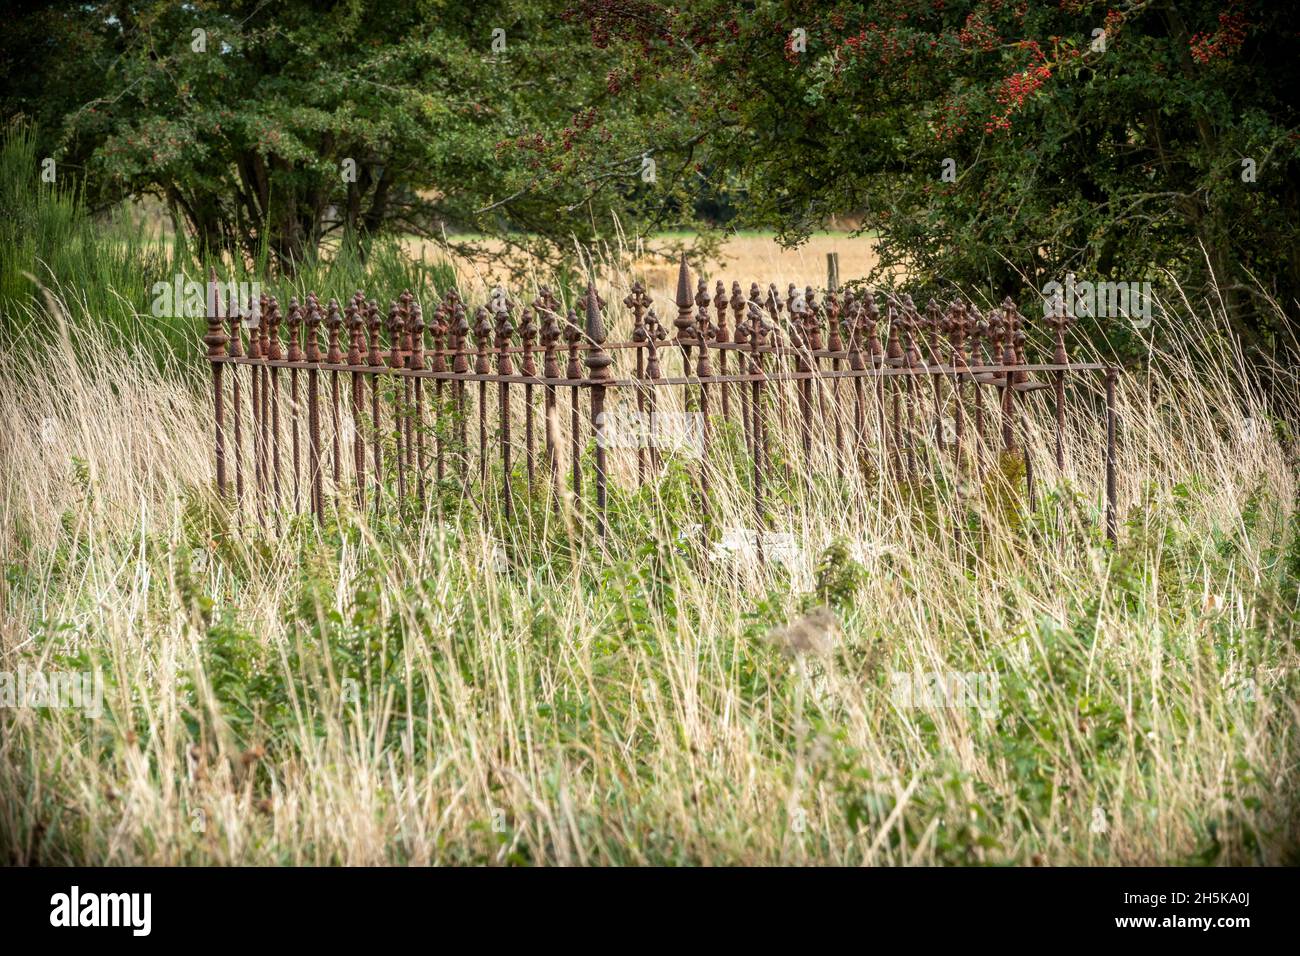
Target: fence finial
<point x="416" y="325"/>
<point x="293" y="322"/>
<point x="597" y="359"/>
<point x="550" y="345"/>
<point x="685" y="321"/>
<point x="482" y="336"/>
<point x="354" y="324"/>
<point x="216" y="337"/>
<point x="313" y="329"/>
<point x="333" y="323"/>
<point x="703" y="368"/>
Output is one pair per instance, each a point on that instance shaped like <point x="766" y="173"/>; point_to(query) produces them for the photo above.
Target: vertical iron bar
<point x="1111" y="518"/>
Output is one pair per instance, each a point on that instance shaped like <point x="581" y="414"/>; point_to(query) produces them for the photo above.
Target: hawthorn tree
<point x="1117" y="141"/>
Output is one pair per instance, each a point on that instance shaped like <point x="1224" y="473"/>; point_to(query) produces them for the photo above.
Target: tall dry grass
<point x="383" y="692"/>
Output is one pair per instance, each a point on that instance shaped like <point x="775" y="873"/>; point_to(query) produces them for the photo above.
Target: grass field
<point x="383" y="690"/>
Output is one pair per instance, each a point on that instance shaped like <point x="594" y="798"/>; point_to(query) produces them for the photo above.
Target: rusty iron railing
<point x="856" y="374"/>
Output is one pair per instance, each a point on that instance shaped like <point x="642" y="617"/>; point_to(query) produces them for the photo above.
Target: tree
<point x="290" y="124"/>
<point x="1113" y="141"/>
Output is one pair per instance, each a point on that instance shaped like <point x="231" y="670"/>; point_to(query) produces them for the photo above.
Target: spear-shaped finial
<point x="597" y="359"/>
<point x="685" y="321"/>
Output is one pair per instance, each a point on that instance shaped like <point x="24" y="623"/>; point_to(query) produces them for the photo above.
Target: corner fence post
<point x="216" y="340"/>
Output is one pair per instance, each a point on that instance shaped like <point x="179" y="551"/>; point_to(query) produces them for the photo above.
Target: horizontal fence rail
<point x="370" y="405"/>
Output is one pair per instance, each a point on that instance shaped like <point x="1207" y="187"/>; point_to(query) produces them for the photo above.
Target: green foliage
<point x="1114" y="163"/>
<point x="274" y="129"/>
<point x="839" y="576"/>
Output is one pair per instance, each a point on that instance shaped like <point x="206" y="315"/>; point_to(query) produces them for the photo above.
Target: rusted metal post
<point x="894" y="359"/>
<point x="235" y="349"/>
<point x="979" y="333"/>
<point x="813" y="316"/>
<point x="877" y="363"/>
<point x="803" y="390"/>
<point x="406" y="420"/>
<point x="685" y="321"/>
<point x="356" y="326"/>
<point x="551" y="371"/>
<point x="415" y="362"/>
<point x="256" y="310"/>
<point x="438" y="365"/>
<point x="737" y="304"/>
<point x="655" y="334"/>
<point x="911" y="361"/>
<point x="482" y="338"/>
<point x="1008" y="360"/>
<point x="274" y="353"/>
<point x="265" y="411"/>
<point x="775" y="306"/>
<point x="460" y="366"/>
<point x="1111" y="518"/>
<point x="1022" y="383"/>
<point x="721" y="338"/>
<point x="375" y="359"/>
<point x="573" y="372"/>
<point x="933" y="324"/>
<point x="396" y="360"/>
<point x="703" y="371"/>
<point x="215" y="340"/>
<point x="755" y="334"/>
<point x="835" y="345"/>
<point x="956" y="328"/>
<point x="334" y="356"/>
<point x="293" y="322"/>
<point x="598" y="362"/>
<point x="1059" y="321"/>
<point x="859" y="317"/>
<point x="638" y="301"/>
<point x="313" y="358"/>
<point x="528" y="336"/>
<point x="502" y="305"/>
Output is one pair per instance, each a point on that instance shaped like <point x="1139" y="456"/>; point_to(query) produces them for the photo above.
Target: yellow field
<point x="744" y="258"/>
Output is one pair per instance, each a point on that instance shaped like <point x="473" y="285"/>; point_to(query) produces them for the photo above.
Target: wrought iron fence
<point x="378" y="405"/>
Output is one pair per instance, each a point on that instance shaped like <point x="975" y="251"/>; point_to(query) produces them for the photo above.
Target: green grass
<point x="381" y="690"/>
<point x="107" y="269"/>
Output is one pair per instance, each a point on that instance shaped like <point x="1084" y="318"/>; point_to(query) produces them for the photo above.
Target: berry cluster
<point x="1224" y="41"/>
